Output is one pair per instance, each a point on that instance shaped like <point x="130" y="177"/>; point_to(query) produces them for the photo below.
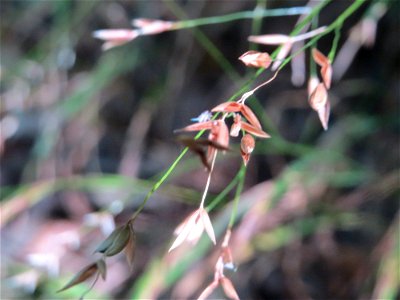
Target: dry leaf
<point x="236" y="126"/>
<point x="270" y="39"/>
<point x="197" y="127"/>
<point x="247" y="145"/>
<point x="250" y="116"/>
<point x="229" y="289"/>
<point x="283" y="52"/>
<point x="130" y="248"/>
<point x="115" y="37"/>
<point x="151" y="26"/>
<point x="256" y="59"/>
<point x="199" y="147"/>
<point x="320" y="103"/>
<point x="312" y="85"/>
<point x="208" y="290"/>
<point x="81" y="276"/>
<point x="325" y="64"/>
<point x="192" y="228"/>
<point x="238" y="107"/>
<point x="253" y="130"/>
<point x="228" y="107"/>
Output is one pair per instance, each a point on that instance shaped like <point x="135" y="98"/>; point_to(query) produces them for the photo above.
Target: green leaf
<point x="119" y="242"/>
<point x="116" y="241"/>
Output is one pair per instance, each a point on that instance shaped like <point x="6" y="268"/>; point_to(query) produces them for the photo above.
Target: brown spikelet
<point x="256" y="59"/>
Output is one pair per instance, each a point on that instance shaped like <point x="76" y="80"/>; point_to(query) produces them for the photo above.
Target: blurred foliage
<point x="86" y="134"/>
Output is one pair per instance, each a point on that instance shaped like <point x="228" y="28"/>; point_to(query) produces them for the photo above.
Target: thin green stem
<point x="256" y="22"/>
<point x="159" y="183"/>
<point x="340" y="20"/>
<point x="313" y="66"/>
<point x="204" y="41"/>
<point x="240" y="16"/>
<point x="335" y="42"/>
<point x="349" y="11"/>
<point x="223" y="194"/>
<point x="239" y="189"/>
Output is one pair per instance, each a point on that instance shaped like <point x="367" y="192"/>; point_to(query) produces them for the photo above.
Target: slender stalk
<point x="240" y="16"/>
<point x="340" y="20"/>
<point x="159" y="182"/>
<point x="335" y="43"/>
<point x="203" y="198"/>
<point x="349" y="11"/>
<point x="313" y="66"/>
<point x="225" y="192"/>
<point x="256" y="22"/>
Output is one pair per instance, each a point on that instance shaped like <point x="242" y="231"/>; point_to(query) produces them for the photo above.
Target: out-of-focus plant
<point x="214" y="121"/>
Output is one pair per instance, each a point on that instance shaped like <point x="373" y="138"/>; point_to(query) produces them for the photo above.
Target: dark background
<point x="85" y="134"/>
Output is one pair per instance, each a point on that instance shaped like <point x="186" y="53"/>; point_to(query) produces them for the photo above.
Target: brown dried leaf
<point x="198" y="147"/>
<point x="197" y="127"/>
<point x="81" y="276"/>
<point x="201" y="142"/>
<point x="236" y="126"/>
<point x="246" y="157"/>
<point x="250" y="116"/>
<point x="223" y="134"/>
<point x="247" y="145"/>
<point x="282" y="55"/>
<point x="122" y="35"/>
<point x="115" y="37"/>
<point x="227" y="107"/>
<point x="208" y="290"/>
<point x="229" y="289"/>
<point x="130" y="248"/>
<point x="319" y="102"/>
<point x="256" y="59"/>
<point x="151" y="26"/>
<point x="254" y="131"/>
<point x="326" y="74"/>
<point x="207" y="225"/>
<point x="319" y="58"/>
<point x="312" y="85"/>
<point x="326" y="68"/>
